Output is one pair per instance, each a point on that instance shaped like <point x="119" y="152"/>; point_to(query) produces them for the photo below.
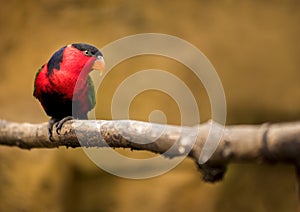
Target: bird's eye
<point x="86" y="52"/>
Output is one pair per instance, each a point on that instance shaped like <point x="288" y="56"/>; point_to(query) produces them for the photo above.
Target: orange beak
<point x="99" y="64"/>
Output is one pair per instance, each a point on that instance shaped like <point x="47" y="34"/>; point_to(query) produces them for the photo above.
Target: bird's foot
<point x="51" y="123"/>
<point x="58" y="124"/>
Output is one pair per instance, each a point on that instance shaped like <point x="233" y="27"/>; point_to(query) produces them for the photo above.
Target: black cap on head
<point x="89" y="50"/>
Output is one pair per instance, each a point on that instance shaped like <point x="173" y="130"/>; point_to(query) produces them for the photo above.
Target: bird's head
<point x="76" y="58"/>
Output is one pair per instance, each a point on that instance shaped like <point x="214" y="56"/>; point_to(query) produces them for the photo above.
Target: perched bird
<point x="63" y="86"/>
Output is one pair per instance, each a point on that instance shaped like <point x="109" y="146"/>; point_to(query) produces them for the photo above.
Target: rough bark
<point x="270" y="143"/>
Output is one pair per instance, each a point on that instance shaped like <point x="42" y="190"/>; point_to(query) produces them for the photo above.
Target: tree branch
<point x="240" y="143"/>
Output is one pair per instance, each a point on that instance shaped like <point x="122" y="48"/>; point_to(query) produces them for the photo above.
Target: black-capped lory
<point x="63" y="85"/>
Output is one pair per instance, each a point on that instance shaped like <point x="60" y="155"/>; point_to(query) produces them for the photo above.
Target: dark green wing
<point x="91" y="93"/>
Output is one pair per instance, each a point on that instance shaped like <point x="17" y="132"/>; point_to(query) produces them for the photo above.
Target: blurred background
<point x="254" y="46"/>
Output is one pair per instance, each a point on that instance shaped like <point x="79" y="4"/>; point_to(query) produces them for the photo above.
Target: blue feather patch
<point x="55" y="60"/>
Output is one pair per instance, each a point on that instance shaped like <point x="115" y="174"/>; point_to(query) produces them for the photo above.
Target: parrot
<point x="63" y="85"/>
